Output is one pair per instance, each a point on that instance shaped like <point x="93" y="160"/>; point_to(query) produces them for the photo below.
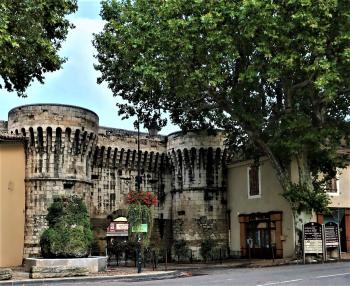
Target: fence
<point x="152" y="257"/>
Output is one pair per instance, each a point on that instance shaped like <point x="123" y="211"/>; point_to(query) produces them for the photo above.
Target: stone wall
<point x="68" y="152"/>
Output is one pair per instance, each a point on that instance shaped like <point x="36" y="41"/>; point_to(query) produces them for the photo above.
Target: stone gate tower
<point x="58" y="156"/>
<point x="197" y="163"/>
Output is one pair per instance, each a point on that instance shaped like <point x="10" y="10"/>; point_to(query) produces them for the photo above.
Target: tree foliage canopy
<point x="273" y="74"/>
<point x="31" y="33"/>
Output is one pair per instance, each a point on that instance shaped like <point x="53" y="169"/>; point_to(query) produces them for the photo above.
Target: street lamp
<point x="152" y="131"/>
<point x="138" y="187"/>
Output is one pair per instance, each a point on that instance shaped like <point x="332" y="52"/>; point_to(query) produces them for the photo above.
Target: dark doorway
<point x="263" y="235"/>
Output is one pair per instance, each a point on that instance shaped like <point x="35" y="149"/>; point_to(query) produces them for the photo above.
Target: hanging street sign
<point x="118" y="228"/>
<point x="143" y="227"/>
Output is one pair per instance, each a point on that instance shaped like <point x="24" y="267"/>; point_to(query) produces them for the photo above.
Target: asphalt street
<point x="332" y="274"/>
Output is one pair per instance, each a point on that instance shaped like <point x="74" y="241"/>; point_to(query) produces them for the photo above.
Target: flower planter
<point x="94" y="264"/>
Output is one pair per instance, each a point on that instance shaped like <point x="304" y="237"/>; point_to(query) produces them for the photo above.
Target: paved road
<point x="333" y="274"/>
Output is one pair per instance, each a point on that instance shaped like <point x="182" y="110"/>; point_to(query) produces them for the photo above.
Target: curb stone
<point x="123" y="278"/>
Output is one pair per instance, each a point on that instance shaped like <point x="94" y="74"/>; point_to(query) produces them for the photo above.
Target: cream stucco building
<point x="260" y="213"/>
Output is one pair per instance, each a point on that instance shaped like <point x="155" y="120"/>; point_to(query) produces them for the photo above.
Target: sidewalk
<point x="173" y="270"/>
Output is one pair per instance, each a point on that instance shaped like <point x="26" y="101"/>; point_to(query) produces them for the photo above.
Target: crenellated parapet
<point x="196" y="168"/>
<point x="61" y="139"/>
<point x="196" y="160"/>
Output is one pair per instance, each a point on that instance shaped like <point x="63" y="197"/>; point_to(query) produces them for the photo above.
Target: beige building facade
<point x="12" y="198"/>
<point x="260" y="216"/>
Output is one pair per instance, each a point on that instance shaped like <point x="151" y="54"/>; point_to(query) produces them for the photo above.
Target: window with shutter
<point x="254" y="181"/>
<point x="332" y="187"/>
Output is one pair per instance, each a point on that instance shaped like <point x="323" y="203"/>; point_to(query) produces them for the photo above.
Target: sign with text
<point x="140" y="228"/>
<point x="313" y="241"/>
<point x="331" y="234"/>
<point x="118" y="228"/>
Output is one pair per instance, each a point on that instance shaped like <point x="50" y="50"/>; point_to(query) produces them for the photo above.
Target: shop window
<point x="254" y="188"/>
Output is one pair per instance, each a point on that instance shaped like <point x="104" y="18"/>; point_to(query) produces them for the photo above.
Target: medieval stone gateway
<point x="68" y="152"/>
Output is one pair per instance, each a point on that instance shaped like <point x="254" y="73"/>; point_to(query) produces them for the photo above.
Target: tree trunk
<point x="285" y="179"/>
<point x="283" y="175"/>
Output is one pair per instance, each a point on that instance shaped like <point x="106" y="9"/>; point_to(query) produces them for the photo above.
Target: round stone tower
<point x="197" y="161"/>
<point x="60" y="143"/>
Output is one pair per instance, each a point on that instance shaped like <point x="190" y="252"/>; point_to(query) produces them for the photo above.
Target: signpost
<point x="313" y="239"/>
<point x="332" y="239"/>
<point x="139" y="228"/>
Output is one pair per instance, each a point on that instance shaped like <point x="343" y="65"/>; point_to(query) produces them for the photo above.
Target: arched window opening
<point x="49" y="138"/>
<point x="40" y="138"/>
<point x="77" y="142"/>
<point x="32" y="140"/>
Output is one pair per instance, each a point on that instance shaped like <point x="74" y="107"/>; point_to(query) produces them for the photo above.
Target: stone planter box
<point x="94" y="264"/>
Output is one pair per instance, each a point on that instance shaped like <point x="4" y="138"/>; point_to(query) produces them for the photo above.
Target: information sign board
<point x="313" y="242"/>
<point x="118" y="228"/>
<point x="331" y="234"/>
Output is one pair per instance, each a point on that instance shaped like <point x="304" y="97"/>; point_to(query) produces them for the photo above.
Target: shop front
<point x="261" y="235"/>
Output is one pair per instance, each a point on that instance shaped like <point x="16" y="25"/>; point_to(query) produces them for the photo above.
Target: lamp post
<point x="152" y="130"/>
<point x="138" y="187"/>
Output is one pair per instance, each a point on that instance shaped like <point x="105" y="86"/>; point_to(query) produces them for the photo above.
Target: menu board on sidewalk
<point x="331" y="234"/>
<point x="313" y="242"/>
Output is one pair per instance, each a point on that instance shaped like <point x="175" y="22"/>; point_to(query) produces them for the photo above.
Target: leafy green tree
<point x="69" y="233"/>
<point x="31" y="33"/>
<point x="273" y="74"/>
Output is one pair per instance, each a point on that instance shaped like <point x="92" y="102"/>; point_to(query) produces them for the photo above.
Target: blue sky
<point x="75" y="83"/>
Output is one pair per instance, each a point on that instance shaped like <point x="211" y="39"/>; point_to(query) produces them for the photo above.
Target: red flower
<point x="144" y="198"/>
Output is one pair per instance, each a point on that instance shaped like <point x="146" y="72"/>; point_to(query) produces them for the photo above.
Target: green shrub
<point x="69" y="233"/>
<point x="207" y="248"/>
<point x="180" y="249"/>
